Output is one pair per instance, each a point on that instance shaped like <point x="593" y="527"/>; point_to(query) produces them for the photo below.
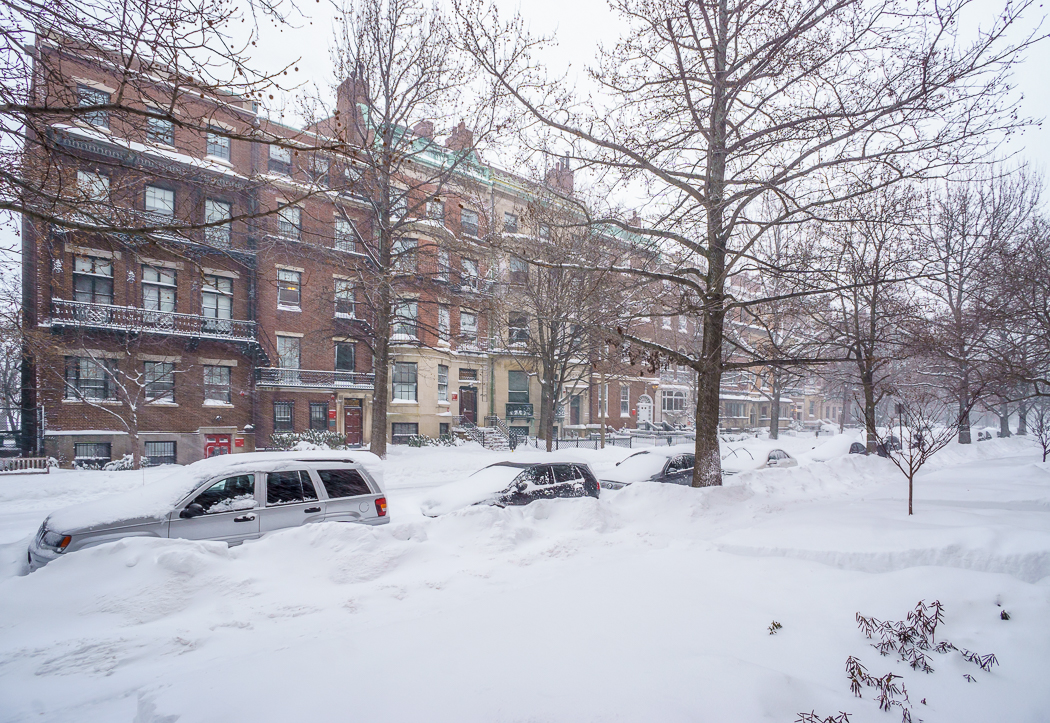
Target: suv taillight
<point x="381" y="506"/>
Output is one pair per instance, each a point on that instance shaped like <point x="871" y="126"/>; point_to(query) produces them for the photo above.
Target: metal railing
<point x="130" y="318"/>
<point x="470" y="429"/>
<point x="280" y="377"/>
<point x="519" y="410"/>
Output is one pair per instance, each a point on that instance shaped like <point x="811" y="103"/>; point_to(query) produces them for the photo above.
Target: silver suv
<point x="231" y="498"/>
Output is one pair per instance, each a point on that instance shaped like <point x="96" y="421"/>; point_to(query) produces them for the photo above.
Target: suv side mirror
<point x="192" y="510"/>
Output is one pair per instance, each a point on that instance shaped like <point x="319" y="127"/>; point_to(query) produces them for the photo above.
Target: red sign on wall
<point x="455" y="397"/>
<point x="331" y="414"/>
<point x="238" y="442"/>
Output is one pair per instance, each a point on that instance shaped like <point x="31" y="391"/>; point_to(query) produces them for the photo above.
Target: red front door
<point x="468" y="404"/>
<point x="216" y="444"/>
<point x="352" y="421"/>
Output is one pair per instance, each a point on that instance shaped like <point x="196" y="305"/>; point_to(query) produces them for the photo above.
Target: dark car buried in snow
<point x="672" y="465"/>
<point x="513" y="483"/>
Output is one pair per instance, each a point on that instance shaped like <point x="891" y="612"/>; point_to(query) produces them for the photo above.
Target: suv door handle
<point x="246" y="518"/>
<point x="312" y="509"/>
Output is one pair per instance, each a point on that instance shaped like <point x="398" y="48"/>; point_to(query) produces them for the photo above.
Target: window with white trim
<point x="405" y="316"/>
<point x="345" y="235"/>
<point x="215" y="211"/>
<point x="160" y="201"/>
<point x="344" y="299"/>
<point x="217" y="298"/>
<point x="158" y="289"/>
<point x="469" y="222"/>
<point x="88" y="96"/>
<point x="217" y="384"/>
<point x="672" y="401"/>
<point x="288" y="351"/>
<point x="290" y="222"/>
<point x="403" y="255"/>
<point x="218" y="145"/>
<point x="442" y="383"/>
<point x="90" y="379"/>
<point x="468" y="326"/>
<point x="405" y="381"/>
<point x="93" y="186"/>
<point x="280" y="160"/>
<point x="625" y="400"/>
<point x="160" y="381"/>
<point x="289" y="289"/>
<point x="93" y="280"/>
<point x="510" y="222"/>
<point x="160" y="130"/>
<point x="436" y="210"/>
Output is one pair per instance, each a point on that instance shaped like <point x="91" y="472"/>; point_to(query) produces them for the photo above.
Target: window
<point x="218" y="145"/>
<point x="666" y="322"/>
<point x="345" y="356"/>
<point x="319" y="415"/>
<point x="280" y="160"/>
<point x="344" y="299"/>
<point x="91" y="453"/>
<point x="405" y="381"/>
<point x="160" y="130"/>
<point x="444" y="323"/>
<point x="217" y="384"/>
<point x="399" y="206"/>
<point x="289" y="288"/>
<point x="345" y="235"/>
<point x="93" y="280"/>
<point x="442" y="383"/>
<point x="290" y="222"/>
<point x="518" y="327"/>
<point x="217" y="297"/>
<point x="625" y="400"/>
<point x="672" y="401"/>
<point x="215" y="211"/>
<point x="92" y="186"/>
<point x="517" y="387"/>
<point x="87" y="96"/>
<point x="160" y="453"/>
<point x="233" y="494"/>
<point x="88" y="378"/>
<point x="160" y="381"/>
<point x="288" y="351"/>
<point x="160" y="201"/>
<point x="444" y="429"/>
<point x="405" y="318"/>
<point x="403" y="255"/>
<point x="734" y="410"/>
<point x="603" y="401"/>
<point x="283" y="414"/>
<point x="343" y="483"/>
<point x="812" y="409"/>
<point x="510" y="222"/>
<point x="158" y="289"/>
<point x="444" y="265"/>
<point x="519" y="270"/>
<point x="683" y="325"/>
<point x="288" y="488"/>
<point x="436" y="210"/>
<point x="545" y="231"/>
<point x="468" y="222"/>
<point x="319" y="167"/>
<point x="469" y="273"/>
<point x="402" y="432"/>
<point x="468" y="326"/>
<point x="468" y="375"/>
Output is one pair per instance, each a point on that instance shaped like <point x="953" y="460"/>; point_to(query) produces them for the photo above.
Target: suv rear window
<point x="343" y="482"/>
<point x="566" y="473"/>
<point x="285" y="488"/>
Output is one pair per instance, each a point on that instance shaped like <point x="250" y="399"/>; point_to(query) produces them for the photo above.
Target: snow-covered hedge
<point x="309" y="439"/>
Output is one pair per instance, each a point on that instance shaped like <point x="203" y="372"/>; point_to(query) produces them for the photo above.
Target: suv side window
<point x="286" y="488"/>
<point x="566" y="473"/>
<point x="584" y="473"/>
<point x="680" y="463"/>
<point x="232" y="493"/>
<point x="533" y="476"/>
<point x="343" y="483"/>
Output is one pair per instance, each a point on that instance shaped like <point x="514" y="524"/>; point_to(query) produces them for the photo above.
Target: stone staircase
<point x="488" y="437"/>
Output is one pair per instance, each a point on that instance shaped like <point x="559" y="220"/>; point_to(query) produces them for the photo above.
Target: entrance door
<point x="353" y="421"/>
<point x="216" y="444"/>
<point x="645" y="409"/>
<point x="574" y="409"/>
<point x="468" y="404"/>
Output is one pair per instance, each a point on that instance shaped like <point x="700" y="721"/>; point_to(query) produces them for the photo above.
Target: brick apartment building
<point x="230" y="324"/>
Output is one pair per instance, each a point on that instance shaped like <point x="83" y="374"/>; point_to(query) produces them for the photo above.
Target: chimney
<point x="635" y="220"/>
<point x="424" y="129"/>
<point x="561" y="176"/>
<point x="352" y="91"/>
<point x="460" y="139"/>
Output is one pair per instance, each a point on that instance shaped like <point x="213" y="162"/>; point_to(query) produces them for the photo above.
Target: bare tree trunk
<point x="911" y="492"/>
<point x="964" y="416"/>
<point x="603" y="404"/>
<point x="869" y="410"/>
<point x="774" y="414"/>
<point x="845" y="408"/>
<point x="1004" y="420"/>
<point x="381" y="395"/>
<point x="1022" y="417"/>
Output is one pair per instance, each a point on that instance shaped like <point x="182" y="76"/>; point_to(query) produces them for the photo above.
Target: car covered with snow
<point x="779" y="458"/>
<point x="232" y="498"/>
<point x="672" y="465"/>
<point x="504" y="484"/>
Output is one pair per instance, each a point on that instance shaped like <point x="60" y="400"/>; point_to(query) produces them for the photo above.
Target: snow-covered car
<point x="513" y="483"/>
<point x="232" y="498"/>
<point x="658" y="464"/>
<point x="779" y="458"/>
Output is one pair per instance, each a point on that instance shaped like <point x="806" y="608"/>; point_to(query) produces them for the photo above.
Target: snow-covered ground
<point x="650" y="604"/>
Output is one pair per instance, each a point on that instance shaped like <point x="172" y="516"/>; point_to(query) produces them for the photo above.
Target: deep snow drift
<point x="650" y="604"/>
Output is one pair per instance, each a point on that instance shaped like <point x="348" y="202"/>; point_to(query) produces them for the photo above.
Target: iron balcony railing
<point x="316" y="378"/>
<point x="519" y="410"/>
<point x="129" y="318"/>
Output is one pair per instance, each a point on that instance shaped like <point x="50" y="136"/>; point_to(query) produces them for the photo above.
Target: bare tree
<point x="1041" y="423"/>
<point x="725" y="109"/>
<point x="406" y="85"/>
<point x="926" y="424"/>
<point x="969" y="227"/>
